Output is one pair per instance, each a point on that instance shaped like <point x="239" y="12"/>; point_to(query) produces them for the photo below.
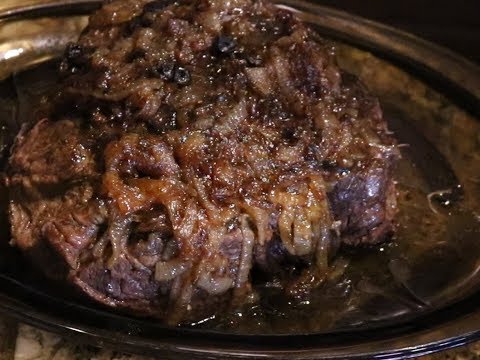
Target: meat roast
<point x="192" y="144"/>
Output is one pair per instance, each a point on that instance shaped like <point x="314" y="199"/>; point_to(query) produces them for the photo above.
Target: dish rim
<point x="453" y="74"/>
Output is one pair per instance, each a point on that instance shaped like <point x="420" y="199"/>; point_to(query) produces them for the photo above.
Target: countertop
<point x="23" y="342"/>
<point x="452" y="24"/>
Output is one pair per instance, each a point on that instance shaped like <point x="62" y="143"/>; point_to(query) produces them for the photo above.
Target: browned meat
<point x="194" y="141"/>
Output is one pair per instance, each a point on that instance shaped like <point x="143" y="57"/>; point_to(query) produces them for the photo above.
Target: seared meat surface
<point x="190" y="143"/>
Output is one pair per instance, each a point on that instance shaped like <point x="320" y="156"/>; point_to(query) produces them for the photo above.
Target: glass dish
<point x="431" y="99"/>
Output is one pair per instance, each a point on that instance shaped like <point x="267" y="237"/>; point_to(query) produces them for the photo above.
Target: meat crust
<point x="192" y="142"/>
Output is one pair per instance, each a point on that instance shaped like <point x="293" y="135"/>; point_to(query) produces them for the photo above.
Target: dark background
<point x="454" y="24"/>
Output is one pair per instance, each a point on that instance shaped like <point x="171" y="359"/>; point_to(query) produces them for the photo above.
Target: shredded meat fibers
<point x="191" y="142"/>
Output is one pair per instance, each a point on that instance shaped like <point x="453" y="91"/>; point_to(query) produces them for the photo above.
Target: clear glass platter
<point x="415" y="295"/>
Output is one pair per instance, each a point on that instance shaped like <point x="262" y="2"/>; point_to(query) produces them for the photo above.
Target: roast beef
<point x="190" y="143"/>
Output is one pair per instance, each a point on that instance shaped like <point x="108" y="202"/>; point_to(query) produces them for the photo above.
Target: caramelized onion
<point x="214" y="285"/>
<point x="260" y="80"/>
<point x="140" y="85"/>
<point x="169" y="270"/>
<point x="247" y="252"/>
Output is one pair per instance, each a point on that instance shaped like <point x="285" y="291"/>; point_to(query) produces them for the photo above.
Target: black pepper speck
<point x="224" y="45"/>
<point x="182" y="76"/>
<point x="165" y="71"/>
<point x="74" y="59"/>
